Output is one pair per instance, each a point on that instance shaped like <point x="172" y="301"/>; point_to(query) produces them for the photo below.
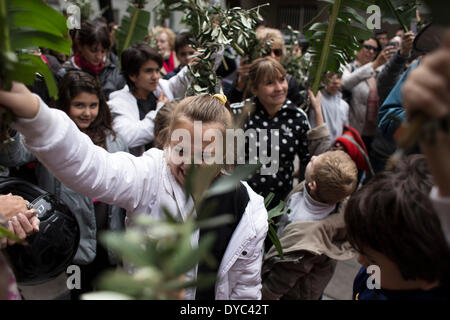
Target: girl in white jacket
<point x="146" y="184"/>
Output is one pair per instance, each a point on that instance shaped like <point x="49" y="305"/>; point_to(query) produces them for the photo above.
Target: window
<point x="296" y="16"/>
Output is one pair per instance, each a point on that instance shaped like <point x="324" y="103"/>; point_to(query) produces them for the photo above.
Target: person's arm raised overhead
<point x="114" y="178"/>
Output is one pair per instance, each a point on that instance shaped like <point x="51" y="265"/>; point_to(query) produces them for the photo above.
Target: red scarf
<point x="86" y="66"/>
<point x="171" y="63"/>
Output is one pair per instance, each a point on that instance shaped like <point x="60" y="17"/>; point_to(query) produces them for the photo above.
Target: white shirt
<point x="335" y="114"/>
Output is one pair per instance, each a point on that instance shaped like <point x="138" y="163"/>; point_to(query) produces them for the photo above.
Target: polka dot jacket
<point x="289" y="126"/>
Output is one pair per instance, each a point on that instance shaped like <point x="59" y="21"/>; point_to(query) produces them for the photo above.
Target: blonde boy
<point x="312" y="237"/>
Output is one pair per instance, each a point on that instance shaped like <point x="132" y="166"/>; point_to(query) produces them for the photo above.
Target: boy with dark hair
<point x="183" y="51"/>
<point x="135" y="106"/>
<point x="392" y="224"/>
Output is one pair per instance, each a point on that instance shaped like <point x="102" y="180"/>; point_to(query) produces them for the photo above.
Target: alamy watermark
<point x="73" y="277"/>
<point x="212" y="146"/>
<point x="374" y="280"/>
<point x="374" y="21"/>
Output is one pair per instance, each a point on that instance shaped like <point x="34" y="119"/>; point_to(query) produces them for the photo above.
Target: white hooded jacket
<point x="143" y="185"/>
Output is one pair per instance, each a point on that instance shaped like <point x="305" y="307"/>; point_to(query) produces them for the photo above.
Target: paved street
<point x="340" y="286"/>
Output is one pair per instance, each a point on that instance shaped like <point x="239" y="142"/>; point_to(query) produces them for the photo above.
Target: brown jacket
<point x="310" y="252"/>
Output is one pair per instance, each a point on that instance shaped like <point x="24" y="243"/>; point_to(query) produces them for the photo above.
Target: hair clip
<point x="222" y="98"/>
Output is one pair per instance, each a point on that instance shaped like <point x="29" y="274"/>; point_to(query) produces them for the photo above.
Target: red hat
<point x="355" y="147"/>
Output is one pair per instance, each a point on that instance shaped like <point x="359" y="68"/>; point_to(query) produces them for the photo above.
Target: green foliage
<point x="214" y="28"/>
<point x="278" y="211"/>
<point x="21" y="29"/>
<point x="398" y="12"/>
<point x="241" y="25"/>
<point x="161" y="252"/>
<point x="334" y="43"/>
<point x="6" y="233"/>
<point x="133" y="27"/>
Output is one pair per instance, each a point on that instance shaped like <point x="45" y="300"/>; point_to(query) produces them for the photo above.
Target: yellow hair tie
<point x="222" y="98"/>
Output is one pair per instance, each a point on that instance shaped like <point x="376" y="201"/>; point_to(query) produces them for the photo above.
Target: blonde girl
<point x="143" y="185"/>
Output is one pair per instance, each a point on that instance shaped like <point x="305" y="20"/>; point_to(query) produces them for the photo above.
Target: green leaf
<point x="41" y="11"/>
<point x="188" y="259"/>
<point x="277" y="211"/>
<point x="327" y="42"/>
<point x="29" y="38"/>
<point x="269" y="199"/>
<point x="41" y="67"/>
<point x="275" y="241"/>
<point x="128" y="245"/>
<point x="28" y="19"/>
<point x="132" y="29"/>
<point x="128" y="284"/>
<point x="8" y="234"/>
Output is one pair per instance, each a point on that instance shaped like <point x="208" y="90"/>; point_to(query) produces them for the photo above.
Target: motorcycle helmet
<point x="50" y="251"/>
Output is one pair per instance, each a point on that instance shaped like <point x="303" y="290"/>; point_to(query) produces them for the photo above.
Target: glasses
<point x="369" y="47"/>
<point x="277" y="52"/>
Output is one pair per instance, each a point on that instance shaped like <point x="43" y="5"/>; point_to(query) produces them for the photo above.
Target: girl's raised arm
<point x="115" y="178"/>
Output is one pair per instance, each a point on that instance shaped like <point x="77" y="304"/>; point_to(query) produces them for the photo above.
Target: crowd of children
<point x="109" y="148"/>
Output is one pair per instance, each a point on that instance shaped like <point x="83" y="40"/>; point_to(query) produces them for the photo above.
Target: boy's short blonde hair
<point x="336" y="176"/>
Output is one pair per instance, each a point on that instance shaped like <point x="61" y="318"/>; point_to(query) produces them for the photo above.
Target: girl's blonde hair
<point x="262" y="69"/>
<point x="170" y="35"/>
<point x="204" y="108"/>
<point x="162" y="124"/>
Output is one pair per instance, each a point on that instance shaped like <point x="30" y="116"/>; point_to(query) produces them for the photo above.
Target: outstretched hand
<point x="20" y="101"/>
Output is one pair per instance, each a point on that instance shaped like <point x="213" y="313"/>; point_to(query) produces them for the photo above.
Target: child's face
<point x="184" y="53"/>
<point x="188" y="141"/>
<point x="310" y="167"/>
<point x="148" y="78"/>
<point x="84" y="109"/>
<point x="334" y="85"/>
<point x="390" y="276"/>
<point x="95" y="54"/>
